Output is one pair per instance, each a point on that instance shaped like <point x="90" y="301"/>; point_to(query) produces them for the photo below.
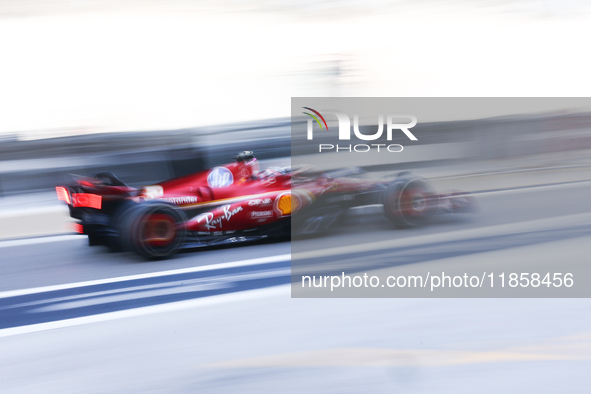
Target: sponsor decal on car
<point x="261" y="214"/>
<point x="220" y="177"/>
<point x="182" y="200"/>
<point x="286" y="204"/>
<point x="213" y="223"/>
<point x="259" y="202"/>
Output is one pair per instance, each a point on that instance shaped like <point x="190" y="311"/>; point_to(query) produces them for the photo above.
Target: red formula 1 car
<point x="237" y="202"/>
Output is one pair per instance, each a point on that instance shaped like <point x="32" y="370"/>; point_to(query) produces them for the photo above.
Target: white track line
<point x="233" y="264"/>
<point x="515" y="171"/>
<point x="275" y="291"/>
<point x="40" y="240"/>
<point x="524" y="189"/>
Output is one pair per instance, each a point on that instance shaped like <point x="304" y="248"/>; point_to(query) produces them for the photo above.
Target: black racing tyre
<point x="410" y="202"/>
<point x="118" y="220"/>
<point x="154" y="231"/>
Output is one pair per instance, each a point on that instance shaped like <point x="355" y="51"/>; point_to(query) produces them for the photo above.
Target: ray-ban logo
<point x="392" y="123"/>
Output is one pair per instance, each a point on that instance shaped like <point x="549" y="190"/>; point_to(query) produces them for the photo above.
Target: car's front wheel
<point x="410" y="202"/>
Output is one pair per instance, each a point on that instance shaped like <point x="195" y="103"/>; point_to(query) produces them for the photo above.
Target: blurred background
<point x="167" y="73"/>
<point x="156" y="89"/>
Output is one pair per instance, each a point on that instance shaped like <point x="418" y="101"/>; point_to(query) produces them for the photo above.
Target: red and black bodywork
<point x="237" y="203"/>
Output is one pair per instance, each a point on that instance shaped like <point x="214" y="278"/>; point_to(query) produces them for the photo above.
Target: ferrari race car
<point x="236" y="202"/>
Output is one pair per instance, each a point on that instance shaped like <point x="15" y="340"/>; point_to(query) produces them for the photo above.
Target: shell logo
<point x="286" y="204"/>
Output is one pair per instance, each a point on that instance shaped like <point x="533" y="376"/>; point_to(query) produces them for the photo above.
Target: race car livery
<point x="236" y="203"/>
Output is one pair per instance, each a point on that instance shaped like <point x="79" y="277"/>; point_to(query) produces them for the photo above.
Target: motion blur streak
<point x="363" y="357"/>
<point x="87" y="200"/>
<point x="177" y="306"/>
<point x="78" y="228"/>
<point x="34" y="241"/>
<point x="62" y="194"/>
<point x="234" y="264"/>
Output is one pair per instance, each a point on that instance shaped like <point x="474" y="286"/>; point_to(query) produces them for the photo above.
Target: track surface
<point x="196" y="330"/>
<point x="59" y="262"/>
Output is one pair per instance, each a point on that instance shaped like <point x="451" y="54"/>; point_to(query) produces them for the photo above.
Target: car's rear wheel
<point x="410" y="202"/>
<point x="154" y="231"/>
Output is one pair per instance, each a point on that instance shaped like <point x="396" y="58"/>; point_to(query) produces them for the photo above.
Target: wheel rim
<point x="159" y="230"/>
<point x="414" y="201"/>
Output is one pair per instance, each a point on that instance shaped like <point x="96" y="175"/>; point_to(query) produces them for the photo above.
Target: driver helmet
<point x="247" y="164"/>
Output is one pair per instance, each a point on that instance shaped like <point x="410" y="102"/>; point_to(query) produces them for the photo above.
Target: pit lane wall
<point x="137" y="158"/>
<point x="29" y="163"/>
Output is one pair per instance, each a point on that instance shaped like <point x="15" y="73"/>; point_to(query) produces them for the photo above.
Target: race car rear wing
<point x="86" y="192"/>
